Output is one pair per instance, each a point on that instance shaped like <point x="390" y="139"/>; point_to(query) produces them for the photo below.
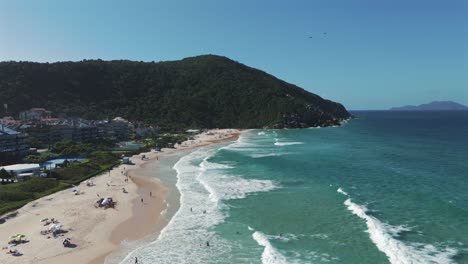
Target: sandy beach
<point x="96" y="232"/>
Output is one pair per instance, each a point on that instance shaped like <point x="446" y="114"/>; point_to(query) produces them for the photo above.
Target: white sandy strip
<point x="88" y="227"/>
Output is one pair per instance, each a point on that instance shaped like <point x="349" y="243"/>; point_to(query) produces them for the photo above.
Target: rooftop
<point x="17" y="167"/>
<point x="119" y="119"/>
<point x="7" y="131"/>
<point x="39" y="110"/>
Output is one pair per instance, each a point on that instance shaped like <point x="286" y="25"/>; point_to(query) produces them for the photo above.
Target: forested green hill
<point x="205" y="91"/>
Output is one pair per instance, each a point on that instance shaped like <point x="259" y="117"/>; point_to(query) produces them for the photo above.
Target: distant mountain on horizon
<point x="432" y="106"/>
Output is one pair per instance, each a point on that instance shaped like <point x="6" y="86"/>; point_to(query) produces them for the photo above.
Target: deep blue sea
<point x="386" y="187"/>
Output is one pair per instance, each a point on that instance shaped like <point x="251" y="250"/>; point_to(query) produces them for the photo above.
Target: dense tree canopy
<point x="204" y="91"/>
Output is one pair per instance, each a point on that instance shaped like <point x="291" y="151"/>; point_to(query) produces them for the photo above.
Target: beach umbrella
<point x="12" y="237"/>
<point x="22" y="236"/>
<point x="44" y="219"/>
<point x="52" y="227"/>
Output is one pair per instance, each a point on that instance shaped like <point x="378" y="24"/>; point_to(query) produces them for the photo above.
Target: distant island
<point x="433" y="106"/>
<point x="207" y="91"/>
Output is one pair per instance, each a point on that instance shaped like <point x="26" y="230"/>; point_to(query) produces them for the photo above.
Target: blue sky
<point x="376" y="54"/>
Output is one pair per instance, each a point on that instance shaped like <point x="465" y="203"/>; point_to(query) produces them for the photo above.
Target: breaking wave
<point x="203" y="186"/>
<point x="384" y="237"/>
<point x="288" y="143"/>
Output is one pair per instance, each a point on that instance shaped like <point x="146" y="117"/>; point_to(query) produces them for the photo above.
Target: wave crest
<point x="398" y="252"/>
<point x="288" y="143"/>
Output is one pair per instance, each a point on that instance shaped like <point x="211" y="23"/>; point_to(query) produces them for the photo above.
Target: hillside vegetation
<point x="206" y="91"/>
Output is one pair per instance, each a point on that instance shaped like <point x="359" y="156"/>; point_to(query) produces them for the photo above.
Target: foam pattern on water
<point x="203" y="185"/>
<point x="288" y="143"/>
<point x="263" y="144"/>
<point x="227" y="187"/>
<point x="398" y="252"/>
<point x="270" y="254"/>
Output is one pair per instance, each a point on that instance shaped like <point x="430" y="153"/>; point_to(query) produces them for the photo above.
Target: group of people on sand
<point x="51" y="221"/>
<point x="53" y="229"/>
<point x="66" y="242"/>
<point x="12" y="251"/>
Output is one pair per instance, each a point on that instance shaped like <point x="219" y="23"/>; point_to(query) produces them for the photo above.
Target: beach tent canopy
<point x="55" y="227"/>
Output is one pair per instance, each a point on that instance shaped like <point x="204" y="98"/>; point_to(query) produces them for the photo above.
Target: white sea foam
<point x="341" y="191"/>
<point x="203" y="186"/>
<point x="206" y="165"/>
<point x="261" y="133"/>
<point x="242" y="144"/>
<point x="270" y="254"/>
<point x="186" y="225"/>
<point x="384" y="237"/>
<point x="266" y="155"/>
<point x="319" y="236"/>
<point x="223" y="187"/>
<point x="288" y="143"/>
<point x="271" y="154"/>
<point x="251" y="145"/>
<point x="228" y="187"/>
<point x="313" y="257"/>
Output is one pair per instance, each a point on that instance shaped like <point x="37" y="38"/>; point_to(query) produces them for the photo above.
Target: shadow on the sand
<point x="8" y="216"/>
<point x="71" y="245"/>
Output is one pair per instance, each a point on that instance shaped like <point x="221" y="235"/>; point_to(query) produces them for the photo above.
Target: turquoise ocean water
<point x="386" y="187"/>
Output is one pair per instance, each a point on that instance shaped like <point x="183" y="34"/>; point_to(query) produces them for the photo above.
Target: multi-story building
<point x="121" y="128"/>
<point x="48" y="131"/>
<point x="84" y="133"/>
<point x="35" y="114"/>
<point x="116" y="129"/>
<point x="50" y="134"/>
<point x="13" y="145"/>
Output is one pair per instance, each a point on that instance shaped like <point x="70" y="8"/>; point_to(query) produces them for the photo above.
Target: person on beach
<point x="136" y="260"/>
<point x="207" y="243"/>
<point x="151" y="194"/>
<point x="141" y="200"/>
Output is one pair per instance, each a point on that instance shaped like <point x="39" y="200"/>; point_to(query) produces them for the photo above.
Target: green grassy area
<point x="16" y="195"/>
<point x="99" y="160"/>
<point x="97" y="163"/>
